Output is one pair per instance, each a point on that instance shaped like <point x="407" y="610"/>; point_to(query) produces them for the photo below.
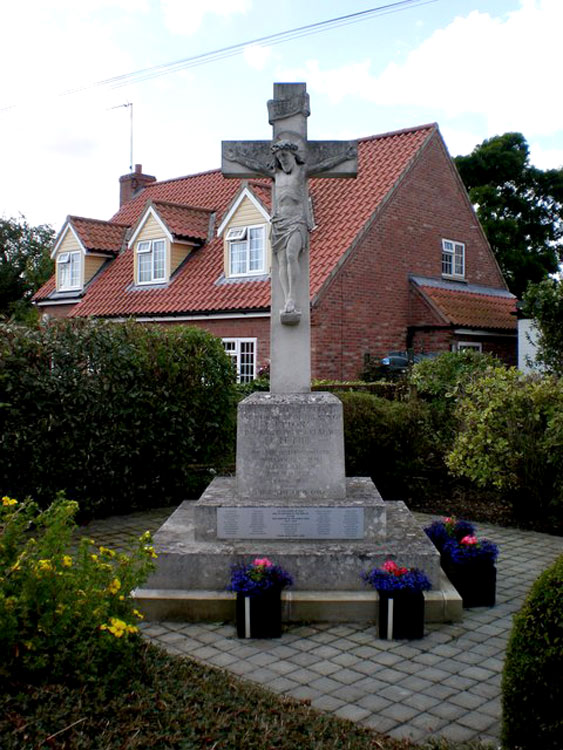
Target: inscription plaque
<point x="290" y="523"/>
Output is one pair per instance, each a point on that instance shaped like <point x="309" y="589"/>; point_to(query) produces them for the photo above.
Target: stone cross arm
<point x="247" y="159"/>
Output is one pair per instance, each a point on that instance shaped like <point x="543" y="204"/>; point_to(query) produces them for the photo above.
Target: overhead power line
<point x="270" y="40"/>
<point x="155" y="71"/>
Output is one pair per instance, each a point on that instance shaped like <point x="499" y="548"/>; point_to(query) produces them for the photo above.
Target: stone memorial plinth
<point x="290" y="445"/>
<point x="290" y="499"/>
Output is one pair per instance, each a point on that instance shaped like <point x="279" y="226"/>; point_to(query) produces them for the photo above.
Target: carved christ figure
<point x="291" y="219"/>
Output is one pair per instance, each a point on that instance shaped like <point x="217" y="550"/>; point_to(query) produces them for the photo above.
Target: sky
<point x="478" y="68"/>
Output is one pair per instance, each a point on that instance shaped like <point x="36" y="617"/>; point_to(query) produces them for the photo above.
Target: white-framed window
<point x="151" y="261"/>
<point x="475" y="346"/>
<point x="247" y="250"/>
<point x="68" y="267"/>
<point x="243" y="354"/>
<point x="453" y="258"/>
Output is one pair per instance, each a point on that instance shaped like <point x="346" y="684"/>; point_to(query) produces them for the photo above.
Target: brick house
<point x="398" y="260"/>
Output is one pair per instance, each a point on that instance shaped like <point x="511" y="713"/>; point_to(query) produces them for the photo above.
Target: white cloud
<point x="51" y="49"/>
<point x="546" y="158"/>
<point x="460" y="141"/>
<point x="184" y="17"/>
<point x="256" y="56"/>
<point x="505" y="69"/>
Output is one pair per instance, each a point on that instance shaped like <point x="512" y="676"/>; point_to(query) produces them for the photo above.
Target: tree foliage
<point x="25" y="264"/>
<point x="543" y="302"/>
<point x="519" y="207"/>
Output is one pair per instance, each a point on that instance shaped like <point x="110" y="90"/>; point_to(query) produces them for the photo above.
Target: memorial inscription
<point x="290" y="523"/>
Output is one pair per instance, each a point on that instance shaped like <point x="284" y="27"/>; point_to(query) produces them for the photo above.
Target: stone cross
<point x="289" y="159"/>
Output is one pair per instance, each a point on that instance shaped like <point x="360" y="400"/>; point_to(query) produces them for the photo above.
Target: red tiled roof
<point x="185" y="222"/>
<point x="341" y="209"/>
<point x="101" y="236"/>
<point x="474" y="310"/>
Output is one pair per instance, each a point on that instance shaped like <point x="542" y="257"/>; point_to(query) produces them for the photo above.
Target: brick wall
<point x="56" y="311"/>
<point x="365" y="308"/>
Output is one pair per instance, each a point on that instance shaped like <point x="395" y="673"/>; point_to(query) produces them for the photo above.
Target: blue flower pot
<point x="401" y="614"/>
<point x="475" y="581"/>
<point x="259" y="616"/>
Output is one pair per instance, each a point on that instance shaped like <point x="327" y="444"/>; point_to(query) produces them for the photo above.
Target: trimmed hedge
<point x="532" y="685"/>
<point x="392" y="390"/>
<point x="390" y="441"/>
<point x="119" y="416"/>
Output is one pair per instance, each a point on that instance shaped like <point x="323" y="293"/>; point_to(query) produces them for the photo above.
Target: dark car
<point x="397" y="363"/>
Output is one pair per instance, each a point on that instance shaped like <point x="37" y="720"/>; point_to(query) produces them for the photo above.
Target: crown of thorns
<point x="284" y="145"/>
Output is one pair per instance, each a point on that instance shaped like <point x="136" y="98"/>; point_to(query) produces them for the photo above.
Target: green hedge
<point x="510" y="437"/>
<point x="119" y="416"/>
<point x="390" y="441"/>
<point x="392" y="390"/>
<point x="441" y="382"/>
<point x="532" y="685"/>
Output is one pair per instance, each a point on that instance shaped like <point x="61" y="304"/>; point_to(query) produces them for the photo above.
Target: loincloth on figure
<point x="283" y="229"/>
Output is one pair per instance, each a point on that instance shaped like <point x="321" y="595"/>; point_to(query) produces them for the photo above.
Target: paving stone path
<point x="447" y="684"/>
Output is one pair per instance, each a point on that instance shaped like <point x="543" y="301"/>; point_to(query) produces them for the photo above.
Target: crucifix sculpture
<point x="289" y="159"/>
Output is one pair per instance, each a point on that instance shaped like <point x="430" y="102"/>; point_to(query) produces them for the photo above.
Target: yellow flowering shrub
<point x="64" y="608"/>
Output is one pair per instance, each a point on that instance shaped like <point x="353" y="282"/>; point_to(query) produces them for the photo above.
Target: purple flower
<point x="470" y="550"/>
<point x="397" y="579"/>
<point x="258" y="577"/>
<point x="442" y="531"/>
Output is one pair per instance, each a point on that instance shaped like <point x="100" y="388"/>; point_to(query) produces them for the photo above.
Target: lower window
<point x="243" y="354"/>
<point x="474" y="345"/>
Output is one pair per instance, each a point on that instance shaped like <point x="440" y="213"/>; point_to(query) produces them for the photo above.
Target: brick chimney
<point x="130" y="184"/>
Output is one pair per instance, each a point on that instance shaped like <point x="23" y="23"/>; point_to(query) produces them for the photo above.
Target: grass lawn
<point x="175" y="703"/>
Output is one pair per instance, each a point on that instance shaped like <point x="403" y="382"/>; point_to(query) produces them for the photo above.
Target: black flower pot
<point x="259" y="616"/>
<point x="475" y="581"/>
<point x="401" y="614"/>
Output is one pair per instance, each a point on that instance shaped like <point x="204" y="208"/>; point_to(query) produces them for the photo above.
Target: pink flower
<point x="390" y="566"/>
<point x="469" y="540"/>
<point x="449" y="519"/>
<point x="263" y="562"/>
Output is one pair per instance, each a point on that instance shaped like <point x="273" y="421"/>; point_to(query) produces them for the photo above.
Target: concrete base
<point x="443" y="604"/>
<point x="191" y="576"/>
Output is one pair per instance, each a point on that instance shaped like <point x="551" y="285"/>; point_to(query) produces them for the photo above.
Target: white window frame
<point x="241" y="236"/>
<point x="144" y="248"/>
<point x="71" y="263"/>
<point x="453" y="259"/>
<point x="476" y="346"/>
<point x="240" y="349"/>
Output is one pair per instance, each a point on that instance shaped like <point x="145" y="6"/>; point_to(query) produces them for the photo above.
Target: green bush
<point x="442" y="377"/>
<point x="532" y="685"/>
<point x="511" y="438"/>
<point x="544" y="303"/>
<point x="390" y="441"/>
<point x="64" y="612"/>
<point x="441" y="382"/>
<point x="119" y="416"/>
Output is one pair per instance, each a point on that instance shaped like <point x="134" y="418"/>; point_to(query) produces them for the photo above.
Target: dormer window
<point x="247" y="250"/>
<point x="68" y="271"/>
<point x="151" y="261"/>
<point x="453" y="259"/>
